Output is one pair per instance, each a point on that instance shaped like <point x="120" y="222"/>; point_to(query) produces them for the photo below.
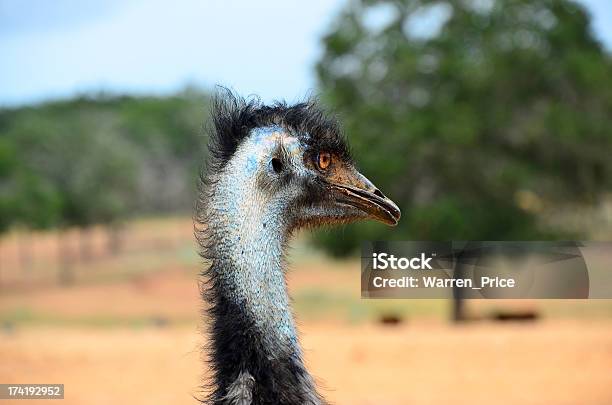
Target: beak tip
<point x="395" y="214"/>
<point x="395" y="221"/>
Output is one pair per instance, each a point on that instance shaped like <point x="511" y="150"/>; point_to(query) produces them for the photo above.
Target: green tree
<point x="475" y="116"/>
<point x="8" y="165"/>
<point x="99" y="158"/>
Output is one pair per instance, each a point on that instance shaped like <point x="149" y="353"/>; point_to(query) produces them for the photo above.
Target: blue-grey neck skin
<point x="251" y="234"/>
<point x="249" y="222"/>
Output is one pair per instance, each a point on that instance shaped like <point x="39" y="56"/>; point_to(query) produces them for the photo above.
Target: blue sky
<point x="53" y="49"/>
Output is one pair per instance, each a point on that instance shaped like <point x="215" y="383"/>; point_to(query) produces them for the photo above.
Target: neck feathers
<point x="254" y="351"/>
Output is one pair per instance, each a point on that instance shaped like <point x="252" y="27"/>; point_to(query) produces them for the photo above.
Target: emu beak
<point x="352" y="188"/>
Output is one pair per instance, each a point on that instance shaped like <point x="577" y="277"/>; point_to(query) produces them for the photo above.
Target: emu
<point x="272" y="169"/>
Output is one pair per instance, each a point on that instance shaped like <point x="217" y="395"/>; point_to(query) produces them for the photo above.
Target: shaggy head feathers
<point x="234" y="118"/>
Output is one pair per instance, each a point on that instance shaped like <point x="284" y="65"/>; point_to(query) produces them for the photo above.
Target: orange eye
<point x="324" y="160"/>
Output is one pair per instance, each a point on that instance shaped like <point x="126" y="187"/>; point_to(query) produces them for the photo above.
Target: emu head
<point x="288" y="162"/>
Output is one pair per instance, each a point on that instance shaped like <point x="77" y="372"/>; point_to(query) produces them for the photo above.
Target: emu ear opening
<point x="284" y="147"/>
<point x="277" y="164"/>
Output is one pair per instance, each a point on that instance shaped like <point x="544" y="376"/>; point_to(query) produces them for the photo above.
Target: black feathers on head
<point x="235" y="117"/>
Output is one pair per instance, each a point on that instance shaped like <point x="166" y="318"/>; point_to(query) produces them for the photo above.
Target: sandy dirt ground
<point x="132" y="337"/>
<point x="420" y="361"/>
<point x="429" y="363"/>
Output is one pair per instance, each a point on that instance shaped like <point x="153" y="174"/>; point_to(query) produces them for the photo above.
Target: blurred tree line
<point x="476" y="117"/>
<point x="99" y="159"/>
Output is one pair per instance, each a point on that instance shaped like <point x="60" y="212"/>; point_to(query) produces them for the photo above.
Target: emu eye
<point x="277" y="165"/>
<point x="324" y="160"/>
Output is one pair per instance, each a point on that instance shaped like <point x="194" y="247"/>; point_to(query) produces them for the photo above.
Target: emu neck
<point x="250" y="248"/>
<point x="255" y="351"/>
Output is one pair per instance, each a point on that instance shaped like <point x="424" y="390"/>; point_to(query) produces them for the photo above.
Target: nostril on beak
<point x="379" y="193"/>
